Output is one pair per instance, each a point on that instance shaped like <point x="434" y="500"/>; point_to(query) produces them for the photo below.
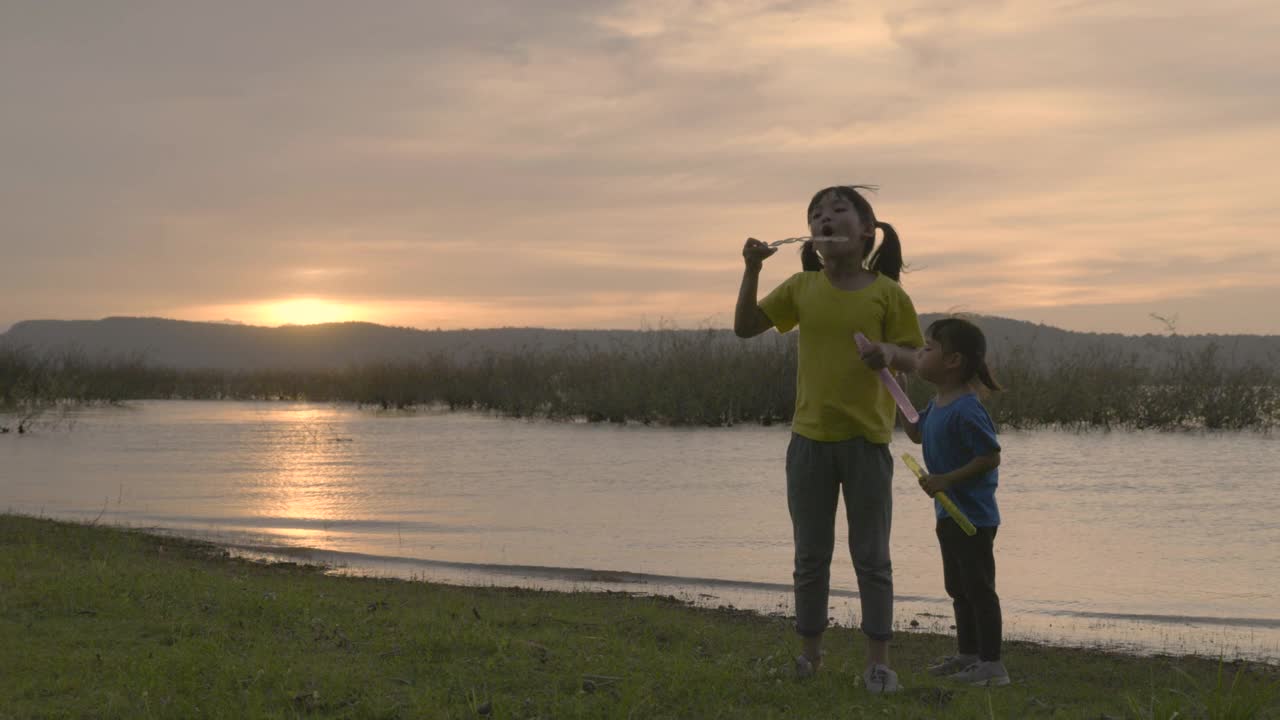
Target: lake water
<point x="1147" y="542"/>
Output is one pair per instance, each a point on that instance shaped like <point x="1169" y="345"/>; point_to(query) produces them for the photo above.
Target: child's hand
<point x="933" y="484"/>
<point x="877" y="355"/>
<point x="755" y="252"/>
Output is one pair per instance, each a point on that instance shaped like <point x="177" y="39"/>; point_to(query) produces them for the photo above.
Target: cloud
<point x="178" y="155"/>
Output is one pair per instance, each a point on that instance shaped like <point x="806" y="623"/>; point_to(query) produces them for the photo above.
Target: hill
<point x="192" y="345"/>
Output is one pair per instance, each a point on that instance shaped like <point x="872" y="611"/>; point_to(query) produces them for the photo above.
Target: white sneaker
<point x="951" y="664"/>
<point x="983" y="674"/>
<point x="880" y="679"/>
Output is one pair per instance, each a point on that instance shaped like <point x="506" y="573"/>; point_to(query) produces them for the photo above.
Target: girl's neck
<point x="845" y="270"/>
<point x="949" y="390"/>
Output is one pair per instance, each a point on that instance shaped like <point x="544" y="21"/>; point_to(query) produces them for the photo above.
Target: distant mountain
<point x="1045" y="342"/>
<point x="182" y="344"/>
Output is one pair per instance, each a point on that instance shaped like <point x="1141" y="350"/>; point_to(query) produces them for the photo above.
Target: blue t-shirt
<point x="952" y="436"/>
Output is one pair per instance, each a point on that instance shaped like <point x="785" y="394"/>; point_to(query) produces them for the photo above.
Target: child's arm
<point x="748" y="319"/>
<point x="903" y="359"/>
<point x="900" y="336"/>
<point x="895" y="357"/>
<point x="977" y="466"/>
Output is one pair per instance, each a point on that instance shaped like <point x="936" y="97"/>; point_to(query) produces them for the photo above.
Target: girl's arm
<point x="975" y="467"/>
<point x="902" y="358"/>
<point x="895" y="357"/>
<point x="748" y="319"/>
<point x="901" y="326"/>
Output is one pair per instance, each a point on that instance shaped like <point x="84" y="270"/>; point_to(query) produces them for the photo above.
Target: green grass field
<point x="101" y="622"/>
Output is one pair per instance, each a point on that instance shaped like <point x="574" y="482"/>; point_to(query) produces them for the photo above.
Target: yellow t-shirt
<point x="837" y="396"/>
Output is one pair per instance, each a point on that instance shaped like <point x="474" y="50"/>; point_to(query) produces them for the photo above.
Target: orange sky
<point x="592" y="163"/>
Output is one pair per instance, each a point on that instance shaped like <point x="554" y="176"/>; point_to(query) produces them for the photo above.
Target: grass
<point x="111" y="623"/>
<point x="677" y="378"/>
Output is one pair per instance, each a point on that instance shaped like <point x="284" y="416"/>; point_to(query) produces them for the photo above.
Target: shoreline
<point x="111" y="622"/>
<point x="1133" y="634"/>
<point x="1134" y="630"/>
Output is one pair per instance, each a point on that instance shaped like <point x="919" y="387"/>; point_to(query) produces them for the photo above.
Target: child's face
<point x="932" y="362"/>
<point x="834" y="216"/>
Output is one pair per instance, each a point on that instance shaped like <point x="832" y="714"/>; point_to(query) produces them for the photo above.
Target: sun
<point x="305" y="311"/>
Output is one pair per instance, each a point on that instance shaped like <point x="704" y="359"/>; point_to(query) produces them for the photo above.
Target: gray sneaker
<point x="806" y="668"/>
<point x="951" y="664"/>
<point x="880" y="679"/>
<point x="983" y="674"/>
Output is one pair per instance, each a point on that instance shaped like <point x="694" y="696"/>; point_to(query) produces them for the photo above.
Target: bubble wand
<point x="942" y="498"/>
<point x="890" y="384"/>
<point x="807" y="238"/>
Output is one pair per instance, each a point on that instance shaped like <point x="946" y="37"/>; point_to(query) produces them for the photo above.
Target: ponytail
<point x="887" y="259"/>
<point x="984" y="375"/>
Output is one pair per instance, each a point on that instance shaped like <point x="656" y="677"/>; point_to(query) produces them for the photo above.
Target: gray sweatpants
<point x="816" y="472"/>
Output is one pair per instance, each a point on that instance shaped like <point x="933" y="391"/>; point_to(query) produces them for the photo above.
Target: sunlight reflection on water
<point x="1123" y="524"/>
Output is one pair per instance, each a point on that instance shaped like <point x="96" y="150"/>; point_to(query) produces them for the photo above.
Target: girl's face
<point x="834" y="216"/>
<point x="934" y="363"/>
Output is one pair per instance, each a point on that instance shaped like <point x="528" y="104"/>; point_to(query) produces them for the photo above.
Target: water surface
<point x="1154" y="542"/>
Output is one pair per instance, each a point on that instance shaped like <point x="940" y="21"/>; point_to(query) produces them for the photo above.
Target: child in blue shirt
<point x="961" y="454"/>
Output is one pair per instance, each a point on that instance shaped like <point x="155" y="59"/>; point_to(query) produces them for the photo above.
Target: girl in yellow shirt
<point x="844" y="416"/>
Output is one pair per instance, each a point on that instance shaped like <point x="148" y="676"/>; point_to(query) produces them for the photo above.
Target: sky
<point x="599" y="163"/>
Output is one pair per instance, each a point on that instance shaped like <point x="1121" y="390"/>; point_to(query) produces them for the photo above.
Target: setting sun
<point x="304" y="311"/>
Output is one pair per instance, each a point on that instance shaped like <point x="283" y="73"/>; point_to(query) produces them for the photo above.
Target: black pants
<point x="969" y="571"/>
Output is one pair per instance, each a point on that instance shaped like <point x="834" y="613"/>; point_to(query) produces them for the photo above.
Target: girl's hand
<point x="933" y="484"/>
<point x="755" y="252"/>
<point x="878" y="355"/>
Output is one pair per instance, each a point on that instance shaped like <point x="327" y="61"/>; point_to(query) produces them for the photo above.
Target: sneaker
<point x="880" y="679"/>
<point x="983" y="674"/>
<point x="951" y="664"/>
<point x="806" y="668"/>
